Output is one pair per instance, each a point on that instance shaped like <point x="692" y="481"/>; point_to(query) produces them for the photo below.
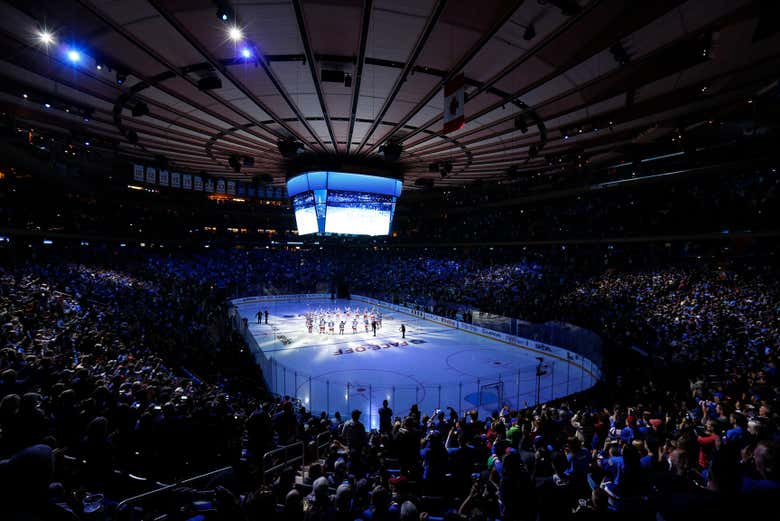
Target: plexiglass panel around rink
<point x="437" y="365"/>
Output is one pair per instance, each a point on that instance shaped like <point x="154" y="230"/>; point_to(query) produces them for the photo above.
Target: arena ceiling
<point x="585" y="77"/>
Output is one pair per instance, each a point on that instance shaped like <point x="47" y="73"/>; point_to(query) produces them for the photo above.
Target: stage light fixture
<point x="47" y="105"/>
<point x="121" y="77"/>
<point x="289" y="148"/>
<point x="619" y="53"/>
<point x="445" y="168"/>
<point x="521" y="124"/>
<point x="225" y="13"/>
<point x="567" y="7"/>
<point x="74" y="56"/>
<point x="45" y="37"/>
<point x="234" y="163"/>
<point x="25" y="96"/>
<point x="140" y="109"/>
<point x="210" y="83"/>
<point x="246" y="53"/>
<point x="235" y="33"/>
<point x="530" y="32"/>
<point x="391" y="151"/>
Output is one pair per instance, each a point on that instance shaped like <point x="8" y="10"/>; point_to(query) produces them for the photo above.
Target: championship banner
<point x="186" y="181"/>
<point x="250" y="191"/>
<point x="175" y="180"/>
<point x="198" y="183"/>
<point x="240" y="189"/>
<point x="163" y="178"/>
<point x="231" y="187"/>
<point x="454" y="100"/>
<point x="150" y="175"/>
<point x="138" y="173"/>
<point x="220" y="186"/>
<point x="208" y="186"/>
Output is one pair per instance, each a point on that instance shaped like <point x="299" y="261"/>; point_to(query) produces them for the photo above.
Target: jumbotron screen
<point x="343" y="202"/>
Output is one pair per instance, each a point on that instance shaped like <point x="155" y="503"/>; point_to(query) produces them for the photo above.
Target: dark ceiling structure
<point x="228" y="87"/>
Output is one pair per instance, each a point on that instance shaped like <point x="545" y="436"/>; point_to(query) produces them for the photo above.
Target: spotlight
<point x="45" y="37"/>
<point x="87" y="143"/>
<point x="47" y="105"/>
<point x="235" y="33"/>
<point x="99" y="66"/>
<point x="225" y="13"/>
<point x="530" y="32"/>
<point x="74" y="56"/>
<point x="246" y="53"/>
<point x="24" y="96"/>
<point x="121" y="77"/>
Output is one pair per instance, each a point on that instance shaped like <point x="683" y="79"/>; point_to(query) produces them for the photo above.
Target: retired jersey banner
<point x="220" y="186"/>
<point x="138" y="173"/>
<point x="150" y="175"/>
<point x="186" y="181"/>
<point x="454" y="99"/>
<point x="175" y="179"/>
<point x="209" y="186"/>
<point x="163" y="178"/>
<point x="231" y="187"/>
<point x="198" y="183"/>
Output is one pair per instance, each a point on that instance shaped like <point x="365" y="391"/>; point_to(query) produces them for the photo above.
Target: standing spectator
<point x="354" y="434"/>
<point x="385" y="418"/>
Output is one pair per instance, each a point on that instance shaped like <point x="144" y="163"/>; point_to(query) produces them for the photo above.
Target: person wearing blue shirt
<point x="738" y="433"/>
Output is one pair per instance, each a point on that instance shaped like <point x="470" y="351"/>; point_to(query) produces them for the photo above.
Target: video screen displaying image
<point x="305" y="213"/>
<point x="358" y="213"/>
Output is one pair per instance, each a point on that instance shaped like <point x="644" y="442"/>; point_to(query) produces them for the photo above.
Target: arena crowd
<point x="113" y="379"/>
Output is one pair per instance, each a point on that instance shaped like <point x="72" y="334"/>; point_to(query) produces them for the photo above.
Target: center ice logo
<point x="375" y="347"/>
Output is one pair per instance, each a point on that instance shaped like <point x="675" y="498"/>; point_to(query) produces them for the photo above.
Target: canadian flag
<point x="454" y="99"/>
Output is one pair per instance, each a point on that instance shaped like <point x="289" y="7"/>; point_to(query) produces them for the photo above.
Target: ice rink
<point x="435" y="366"/>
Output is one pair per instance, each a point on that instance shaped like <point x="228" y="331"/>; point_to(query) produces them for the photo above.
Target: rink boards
<point x="440" y="363"/>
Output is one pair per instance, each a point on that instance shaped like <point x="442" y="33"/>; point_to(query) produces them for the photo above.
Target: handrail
<point x="317" y="443"/>
<point x="165" y="488"/>
<point x="285" y="461"/>
<point x="283" y="448"/>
